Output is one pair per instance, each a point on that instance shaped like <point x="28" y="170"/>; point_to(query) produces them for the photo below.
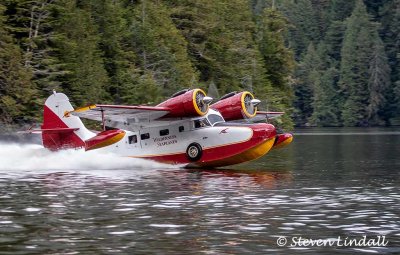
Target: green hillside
<point x="324" y="62"/>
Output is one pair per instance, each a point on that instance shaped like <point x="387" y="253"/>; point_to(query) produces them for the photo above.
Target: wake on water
<point x="31" y="157"/>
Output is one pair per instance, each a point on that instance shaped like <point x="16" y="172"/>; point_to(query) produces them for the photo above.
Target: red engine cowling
<point x="234" y="106"/>
<point x="187" y="104"/>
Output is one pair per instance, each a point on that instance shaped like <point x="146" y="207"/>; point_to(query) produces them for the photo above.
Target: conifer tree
<point x="31" y="23"/>
<point x="78" y="46"/>
<point x="307" y="79"/>
<point x="341" y="9"/>
<point x="16" y="88"/>
<point x="354" y="67"/>
<point x="358" y="73"/>
<point x="305" y="28"/>
<point x="278" y="59"/>
<point x="325" y="98"/>
<point x="322" y="18"/>
<point x="333" y="41"/>
<point x="160" y="47"/>
<point x="112" y="19"/>
<point x="379" y="81"/>
<point x="220" y="40"/>
<point x="390" y="19"/>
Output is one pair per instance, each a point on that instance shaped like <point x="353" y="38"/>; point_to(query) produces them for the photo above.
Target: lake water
<point x="328" y="184"/>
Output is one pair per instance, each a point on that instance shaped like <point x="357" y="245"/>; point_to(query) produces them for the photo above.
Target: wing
<point x="269" y="115"/>
<point x="120" y="115"/>
<point x="260" y="117"/>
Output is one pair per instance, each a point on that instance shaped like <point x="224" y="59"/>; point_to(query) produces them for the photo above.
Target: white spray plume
<point x="30" y="157"/>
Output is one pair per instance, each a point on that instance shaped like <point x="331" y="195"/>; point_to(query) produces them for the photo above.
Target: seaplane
<point x="186" y="129"/>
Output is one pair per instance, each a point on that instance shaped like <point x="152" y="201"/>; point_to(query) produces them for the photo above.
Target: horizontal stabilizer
<point x="51" y="130"/>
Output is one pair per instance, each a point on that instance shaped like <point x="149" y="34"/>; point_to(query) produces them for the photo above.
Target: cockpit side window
<point x="214" y="118"/>
<point x="201" y="123"/>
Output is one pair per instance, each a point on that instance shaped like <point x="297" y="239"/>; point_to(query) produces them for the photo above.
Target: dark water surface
<point x="328" y="183"/>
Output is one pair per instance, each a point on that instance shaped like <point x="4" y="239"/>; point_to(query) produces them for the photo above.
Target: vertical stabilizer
<point x="53" y="119"/>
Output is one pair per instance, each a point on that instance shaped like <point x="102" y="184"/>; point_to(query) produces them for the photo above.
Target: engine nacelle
<point x="187" y="103"/>
<point x="237" y="105"/>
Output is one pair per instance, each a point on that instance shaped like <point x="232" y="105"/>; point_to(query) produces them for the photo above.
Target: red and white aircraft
<point x="185" y="129"/>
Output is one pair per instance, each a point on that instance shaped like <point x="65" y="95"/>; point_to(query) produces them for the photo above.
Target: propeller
<point x="213" y="90"/>
<point x="203" y="101"/>
<point x="251" y="103"/>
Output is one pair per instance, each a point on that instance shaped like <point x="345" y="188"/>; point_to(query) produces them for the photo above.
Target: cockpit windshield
<point x="215" y="118"/>
<point x="201" y="123"/>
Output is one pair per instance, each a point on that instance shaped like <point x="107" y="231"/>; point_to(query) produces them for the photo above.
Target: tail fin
<point x="59" y="131"/>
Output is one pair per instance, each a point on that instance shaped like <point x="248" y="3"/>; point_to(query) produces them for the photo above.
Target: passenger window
<point x="181" y="128"/>
<point x="132" y="139"/>
<point x="164" y="132"/>
<point x="145" y="136"/>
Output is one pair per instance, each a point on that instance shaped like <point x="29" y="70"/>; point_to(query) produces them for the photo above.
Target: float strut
<point x="102" y="120"/>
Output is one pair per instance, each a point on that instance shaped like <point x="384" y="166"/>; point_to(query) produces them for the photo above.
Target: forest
<point x="323" y="62"/>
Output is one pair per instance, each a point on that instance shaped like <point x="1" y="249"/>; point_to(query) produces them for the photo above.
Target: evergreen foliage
<point x="389" y="15"/>
<point x="220" y="42"/>
<point x="16" y="87"/>
<point x="160" y="48"/>
<point x="305" y="28"/>
<point x="347" y="69"/>
<point x="350" y="75"/>
<point x="326" y="98"/>
<point x="365" y="75"/>
<point x="307" y="79"/>
<point x="78" y="43"/>
<point x="278" y="59"/>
